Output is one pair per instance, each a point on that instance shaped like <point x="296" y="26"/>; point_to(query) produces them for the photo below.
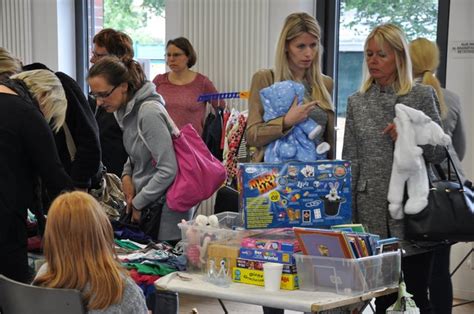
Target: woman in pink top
<point x="181" y="87"/>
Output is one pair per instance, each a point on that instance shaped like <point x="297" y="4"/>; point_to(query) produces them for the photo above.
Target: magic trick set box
<point x="295" y="194"/>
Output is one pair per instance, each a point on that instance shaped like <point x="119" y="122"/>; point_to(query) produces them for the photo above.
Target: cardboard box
<point x="280" y="239"/>
<point x="267" y="255"/>
<point x="258" y="265"/>
<point x="295" y="194"/>
<point x="255" y="277"/>
<point x="218" y="252"/>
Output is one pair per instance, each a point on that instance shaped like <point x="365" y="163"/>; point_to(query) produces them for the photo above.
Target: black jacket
<point x="27" y="151"/>
<point x="114" y="155"/>
<point x="83" y="127"/>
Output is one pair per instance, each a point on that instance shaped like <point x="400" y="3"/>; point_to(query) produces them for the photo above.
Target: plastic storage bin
<point x="230" y="227"/>
<point x="348" y="276"/>
<point x="205" y="244"/>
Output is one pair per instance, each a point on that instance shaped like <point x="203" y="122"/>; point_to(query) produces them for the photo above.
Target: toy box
<point x="280" y="239"/>
<point x="218" y="253"/>
<point x="267" y="255"/>
<point x="255" y="277"/>
<point x="306" y="194"/>
<point x="348" y="276"/>
<point x="258" y="265"/>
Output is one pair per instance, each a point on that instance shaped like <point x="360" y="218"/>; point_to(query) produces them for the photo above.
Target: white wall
<point x="459" y="78"/>
<point x="277" y="12"/>
<point x="53" y="34"/>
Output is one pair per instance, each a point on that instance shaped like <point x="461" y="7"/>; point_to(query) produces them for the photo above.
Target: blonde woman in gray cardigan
<point x="369" y="141"/>
<point x="425" y="60"/>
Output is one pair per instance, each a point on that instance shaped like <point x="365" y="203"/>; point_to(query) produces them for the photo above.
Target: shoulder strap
<point x="71" y="146"/>
<point x="172" y="128"/>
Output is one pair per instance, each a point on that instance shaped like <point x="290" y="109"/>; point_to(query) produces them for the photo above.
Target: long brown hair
<point x="78" y="247"/>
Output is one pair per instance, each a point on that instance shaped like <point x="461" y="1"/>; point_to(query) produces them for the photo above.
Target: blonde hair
<point x="9" y="65"/>
<point x="47" y="89"/>
<point x="395" y="38"/>
<point x="78" y="247"/>
<point x="295" y="25"/>
<point x="424" y="56"/>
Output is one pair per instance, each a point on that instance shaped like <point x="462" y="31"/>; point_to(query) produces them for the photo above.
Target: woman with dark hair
<point x="110" y="42"/>
<point x="121" y="88"/>
<point x="181" y="86"/>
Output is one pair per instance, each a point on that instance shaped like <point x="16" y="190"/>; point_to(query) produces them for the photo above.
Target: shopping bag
<point x="199" y="173"/>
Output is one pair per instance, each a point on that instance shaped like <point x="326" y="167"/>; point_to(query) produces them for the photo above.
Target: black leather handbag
<point x="449" y="214"/>
<point x="150" y="218"/>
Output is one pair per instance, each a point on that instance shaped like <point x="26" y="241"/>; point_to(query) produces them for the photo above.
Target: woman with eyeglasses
<point x="121" y="88"/>
<point x="115" y="43"/>
<point x="181" y="86"/>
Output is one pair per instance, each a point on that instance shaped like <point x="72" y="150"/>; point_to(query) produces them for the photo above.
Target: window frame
<point x="328" y="15"/>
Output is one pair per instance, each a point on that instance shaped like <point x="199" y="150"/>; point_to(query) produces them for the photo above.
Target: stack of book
<point x="344" y="241"/>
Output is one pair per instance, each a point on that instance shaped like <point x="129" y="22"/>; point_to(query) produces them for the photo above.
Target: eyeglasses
<point x="174" y="55"/>
<point x="102" y="95"/>
<point x="99" y="55"/>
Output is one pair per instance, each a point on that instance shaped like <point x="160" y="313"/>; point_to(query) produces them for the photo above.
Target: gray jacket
<point x="371" y="151"/>
<point x="152" y="166"/>
<point x="454" y="127"/>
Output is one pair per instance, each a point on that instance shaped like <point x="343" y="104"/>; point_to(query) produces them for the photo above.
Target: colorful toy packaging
<point x="293" y="194"/>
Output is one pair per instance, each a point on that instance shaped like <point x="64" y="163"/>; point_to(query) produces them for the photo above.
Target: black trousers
<point x="416" y="271"/>
<point x="441" y="287"/>
<point x="271" y="310"/>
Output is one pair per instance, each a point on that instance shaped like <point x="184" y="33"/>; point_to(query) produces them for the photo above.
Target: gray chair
<point x="16" y="297"/>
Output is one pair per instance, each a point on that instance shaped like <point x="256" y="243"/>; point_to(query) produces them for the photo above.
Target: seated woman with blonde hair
<point x="79" y="252"/>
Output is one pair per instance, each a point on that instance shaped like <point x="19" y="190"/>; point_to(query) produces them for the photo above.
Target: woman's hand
<point x="128" y="191"/>
<point x="391" y="130"/>
<point x="297" y="113"/>
<point x="136" y="215"/>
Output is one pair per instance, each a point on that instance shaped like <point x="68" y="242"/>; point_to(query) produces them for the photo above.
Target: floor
<point x="212" y="306"/>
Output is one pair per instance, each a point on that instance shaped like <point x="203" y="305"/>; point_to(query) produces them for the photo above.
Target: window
<point x="352" y="21"/>
<point x="142" y="20"/>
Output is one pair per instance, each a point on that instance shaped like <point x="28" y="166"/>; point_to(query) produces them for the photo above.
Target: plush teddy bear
<point x="299" y="143"/>
<point x="413" y="128"/>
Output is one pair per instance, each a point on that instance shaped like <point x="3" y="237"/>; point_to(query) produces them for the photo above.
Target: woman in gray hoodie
<point x="121" y="87"/>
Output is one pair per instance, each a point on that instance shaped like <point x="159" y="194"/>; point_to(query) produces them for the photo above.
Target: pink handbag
<point x="199" y="174"/>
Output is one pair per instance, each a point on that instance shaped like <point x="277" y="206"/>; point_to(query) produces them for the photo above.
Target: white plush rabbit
<point x="333" y="195"/>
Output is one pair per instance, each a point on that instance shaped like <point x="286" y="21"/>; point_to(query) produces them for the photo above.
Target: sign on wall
<point x="462" y="49"/>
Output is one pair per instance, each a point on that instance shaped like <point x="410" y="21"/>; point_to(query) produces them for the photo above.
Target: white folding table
<point x="297" y="300"/>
